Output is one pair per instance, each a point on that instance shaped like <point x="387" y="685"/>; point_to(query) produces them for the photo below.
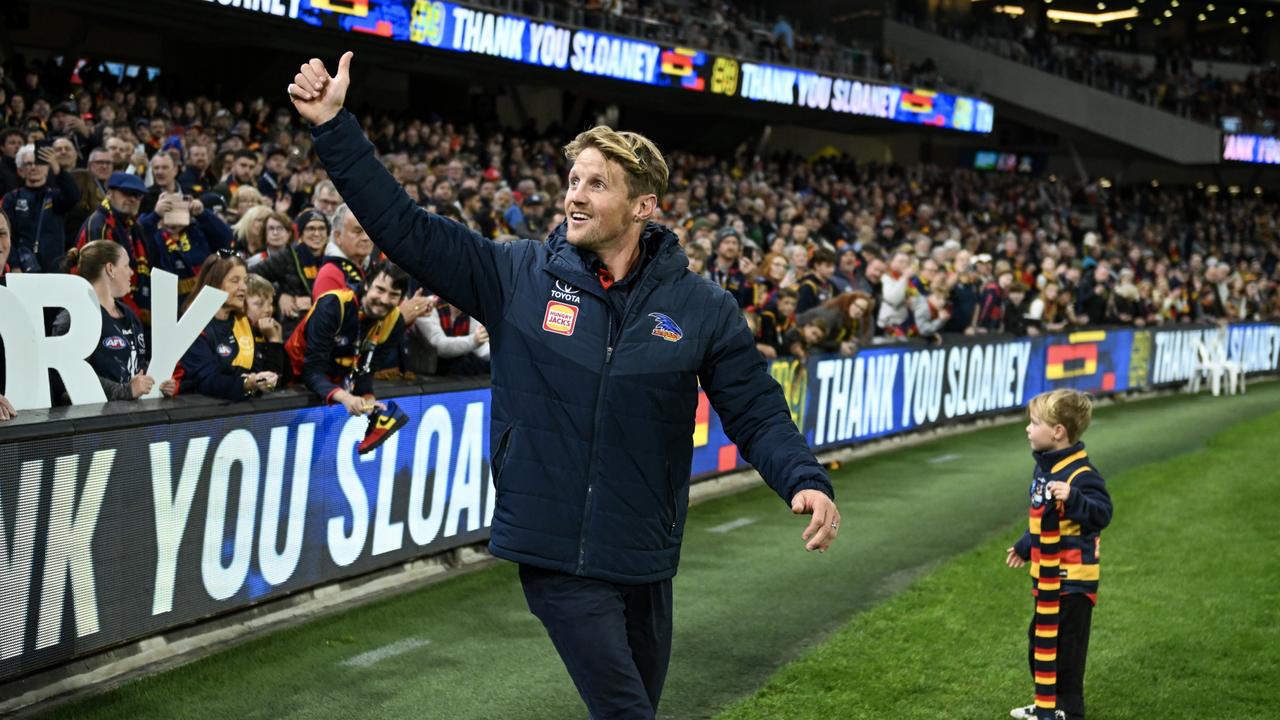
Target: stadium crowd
<point x="1170" y="82"/>
<point x="824" y="254"/>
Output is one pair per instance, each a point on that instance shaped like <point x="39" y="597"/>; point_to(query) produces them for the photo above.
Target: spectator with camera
<point x="38" y="210"/>
<point x="180" y="235"/>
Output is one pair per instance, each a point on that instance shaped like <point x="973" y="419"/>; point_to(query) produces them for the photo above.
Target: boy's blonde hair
<point x="642" y="161"/>
<point x="259" y="286"/>
<point x="1071" y="409"/>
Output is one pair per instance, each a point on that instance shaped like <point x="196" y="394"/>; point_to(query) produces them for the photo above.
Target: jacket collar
<point x="661" y="258"/>
<point x="1048" y="459"/>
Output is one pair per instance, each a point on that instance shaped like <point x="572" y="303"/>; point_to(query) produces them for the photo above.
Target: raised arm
<point x="466" y="269"/>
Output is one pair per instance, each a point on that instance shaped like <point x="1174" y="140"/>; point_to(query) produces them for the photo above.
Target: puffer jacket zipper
<point x="638" y="295"/>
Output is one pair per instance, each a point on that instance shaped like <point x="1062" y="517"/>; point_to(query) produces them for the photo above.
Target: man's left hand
<point x="825" y="525"/>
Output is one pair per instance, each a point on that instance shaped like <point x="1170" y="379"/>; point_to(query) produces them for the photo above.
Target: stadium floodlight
<point x="1084" y="17"/>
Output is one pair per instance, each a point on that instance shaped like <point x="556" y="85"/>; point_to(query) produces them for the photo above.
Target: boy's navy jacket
<point x="1084" y="515"/>
<point x="593" y="409"/>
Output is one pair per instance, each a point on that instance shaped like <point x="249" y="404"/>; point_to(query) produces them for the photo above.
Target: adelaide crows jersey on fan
<point x="1083" y="515"/>
<point x="121" y="351"/>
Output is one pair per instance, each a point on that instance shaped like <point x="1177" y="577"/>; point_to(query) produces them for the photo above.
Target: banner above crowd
<point x="1260" y="149"/>
<point x="448" y="26"/>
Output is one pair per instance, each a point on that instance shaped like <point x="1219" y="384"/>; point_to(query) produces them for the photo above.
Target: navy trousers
<point x="614" y="639"/>
<point x="1075" y="615"/>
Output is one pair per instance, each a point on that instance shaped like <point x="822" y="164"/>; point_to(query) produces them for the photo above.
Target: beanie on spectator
<point x="308" y="216"/>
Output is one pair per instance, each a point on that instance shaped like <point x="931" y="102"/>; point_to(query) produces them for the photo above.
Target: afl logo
<point x="115" y="342"/>
<point x="224" y="350"/>
<point x="565" y="292"/>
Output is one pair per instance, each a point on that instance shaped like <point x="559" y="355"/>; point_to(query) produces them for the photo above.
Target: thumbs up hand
<point x="317" y="95"/>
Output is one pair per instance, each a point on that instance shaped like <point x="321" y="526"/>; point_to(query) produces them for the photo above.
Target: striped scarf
<point x="1048" y="593"/>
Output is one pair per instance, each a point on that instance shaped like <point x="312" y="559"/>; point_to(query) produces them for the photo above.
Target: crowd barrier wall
<point x="112" y="534"/>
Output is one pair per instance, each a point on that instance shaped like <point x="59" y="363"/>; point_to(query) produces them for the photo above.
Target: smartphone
<point x="179" y="213"/>
<point x="40" y="145"/>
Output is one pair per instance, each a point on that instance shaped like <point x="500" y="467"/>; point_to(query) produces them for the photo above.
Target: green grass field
<point x="1188" y="623"/>
<point x="911" y="615"/>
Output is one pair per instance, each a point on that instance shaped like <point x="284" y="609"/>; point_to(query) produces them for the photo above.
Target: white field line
<point x="942" y="459"/>
<point x="384" y="652"/>
<point x="731" y="525"/>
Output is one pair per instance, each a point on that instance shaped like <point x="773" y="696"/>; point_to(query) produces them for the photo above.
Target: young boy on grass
<point x="1069" y="508"/>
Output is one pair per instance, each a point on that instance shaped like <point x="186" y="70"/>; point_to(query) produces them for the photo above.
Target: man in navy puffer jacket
<point x="599" y="338"/>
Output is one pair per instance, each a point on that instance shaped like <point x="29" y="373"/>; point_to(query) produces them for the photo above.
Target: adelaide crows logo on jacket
<point x="666" y="328"/>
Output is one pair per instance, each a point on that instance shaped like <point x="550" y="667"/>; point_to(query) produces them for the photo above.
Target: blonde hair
<point x="259" y="286"/>
<point x="243" y="229"/>
<point x="642" y="161"/>
<point x="1071" y="409"/>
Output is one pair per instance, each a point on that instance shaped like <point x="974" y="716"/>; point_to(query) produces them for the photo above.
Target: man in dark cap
<point x="116" y="219"/>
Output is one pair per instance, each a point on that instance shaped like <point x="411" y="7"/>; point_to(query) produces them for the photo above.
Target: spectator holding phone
<point x="38" y="210"/>
<point x="121" y="355"/>
<point x="180" y="234"/>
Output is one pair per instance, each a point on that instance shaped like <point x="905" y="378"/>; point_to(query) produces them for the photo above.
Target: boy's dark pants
<point x="614" y="639"/>
<point x="1075" y="614"/>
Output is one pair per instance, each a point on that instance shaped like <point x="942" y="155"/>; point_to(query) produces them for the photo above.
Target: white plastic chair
<point x="1232" y="369"/>
<point x="1212" y="364"/>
